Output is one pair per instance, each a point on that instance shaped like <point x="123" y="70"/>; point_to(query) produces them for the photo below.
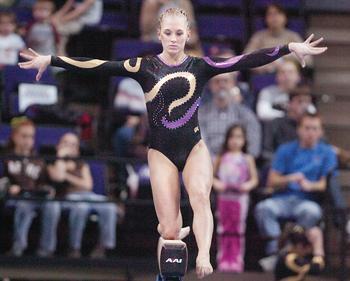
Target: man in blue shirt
<point x="299" y="169"/>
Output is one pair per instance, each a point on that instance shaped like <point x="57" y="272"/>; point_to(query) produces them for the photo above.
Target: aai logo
<point x="174" y="260"/>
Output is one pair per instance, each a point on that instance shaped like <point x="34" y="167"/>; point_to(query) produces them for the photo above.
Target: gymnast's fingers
<point x="315" y="43"/>
<point x="33" y="52"/>
<point x="318" y="50"/>
<point x="26" y="56"/>
<point x="25" y="65"/>
<point x="308" y="40"/>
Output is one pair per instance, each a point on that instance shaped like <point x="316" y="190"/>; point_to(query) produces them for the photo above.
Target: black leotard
<point x="172" y="93"/>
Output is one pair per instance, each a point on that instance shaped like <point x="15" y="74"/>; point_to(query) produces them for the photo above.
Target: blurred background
<point x="90" y="216"/>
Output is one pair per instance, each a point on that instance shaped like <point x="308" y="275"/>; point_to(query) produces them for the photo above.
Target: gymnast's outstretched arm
<point x="130" y="67"/>
<point x="214" y="66"/>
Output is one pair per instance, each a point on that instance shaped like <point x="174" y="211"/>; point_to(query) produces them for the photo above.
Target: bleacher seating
<point x="13" y="76"/>
<point x="213" y="27"/>
<point x="129" y="48"/>
<point x="45" y="136"/>
<point x="287" y="4"/>
<point x="99" y="175"/>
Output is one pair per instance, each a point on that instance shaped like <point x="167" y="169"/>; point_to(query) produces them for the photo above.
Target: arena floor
<point x="36" y="269"/>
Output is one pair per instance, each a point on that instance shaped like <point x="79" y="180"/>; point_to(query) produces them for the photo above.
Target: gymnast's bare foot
<point x="203" y="266"/>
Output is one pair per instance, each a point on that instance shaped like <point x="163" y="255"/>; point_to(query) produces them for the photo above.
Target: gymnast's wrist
<point x="52" y="60"/>
<point x="291" y="46"/>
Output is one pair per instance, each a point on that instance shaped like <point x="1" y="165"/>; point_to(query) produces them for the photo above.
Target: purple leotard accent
<point x="184" y="119"/>
<point x="229" y="62"/>
<point x="173" y="65"/>
<point x="275" y="52"/>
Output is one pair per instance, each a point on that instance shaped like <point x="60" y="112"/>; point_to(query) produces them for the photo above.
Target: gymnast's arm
<point x="129" y="67"/>
<point x="214" y="66"/>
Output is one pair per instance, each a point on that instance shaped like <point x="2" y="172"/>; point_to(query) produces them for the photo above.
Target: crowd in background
<point x="273" y="140"/>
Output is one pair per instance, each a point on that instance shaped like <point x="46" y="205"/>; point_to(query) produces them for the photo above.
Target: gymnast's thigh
<point x="165" y="187"/>
<point x="198" y="171"/>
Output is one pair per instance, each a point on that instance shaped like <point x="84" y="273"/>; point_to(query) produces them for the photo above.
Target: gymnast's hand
<point x="306" y="48"/>
<point x="35" y="61"/>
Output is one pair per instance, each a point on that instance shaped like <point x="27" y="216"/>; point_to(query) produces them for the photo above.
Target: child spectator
<point x="28" y="180"/>
<point x="41" y="33"/>
<point x="235" y="176"/>
<point x="296" y="259"/>
<point x="10" y="42"/>
<point x="73" y="16"/>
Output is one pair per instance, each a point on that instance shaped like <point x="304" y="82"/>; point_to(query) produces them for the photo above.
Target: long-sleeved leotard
<point x="172" y="93"/>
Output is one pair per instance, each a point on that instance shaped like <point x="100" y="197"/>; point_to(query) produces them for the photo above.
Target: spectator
<point x="10" y="42"/>
<point x="284" y="129"/>
<point x="235" y="175"/>
<point x="73" y="16"/>
<point x="298" y="171"/>
<point x="217" y="116"/>
<point x="273" y="99"/>
<point x="75" y="177"/>
<point x="129" y="105"/>
<point x="41" y="33"/>
<point x="27" y="178"/>
<point x="296" y="259"/>
<point x="150" y="12"/>
<point x="275" y="34"/>
<point x="7" y="3"/>
<point x="131" y="138"/>
<point x="240" y="90"/>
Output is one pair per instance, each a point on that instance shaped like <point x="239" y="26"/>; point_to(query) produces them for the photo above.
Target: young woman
<point x="75" y="178"/>
<point x="173" y="82"/>
<point x="235" y="175"/>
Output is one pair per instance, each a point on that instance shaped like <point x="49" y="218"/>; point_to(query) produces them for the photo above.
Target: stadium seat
<point x="99" y="175"/>
<point x="113" y="21"/>
<point x="221" y="27"/>
<point x="45" y="136"/>
<point x="13" y="76"/>
<point x="124" y="49"/>
<point x="260" y="81"/>
<point x="288" y="4"/>
<point x="5" y="132"/>
<point x="23" y="15"/>
<point x="220" y="3"/>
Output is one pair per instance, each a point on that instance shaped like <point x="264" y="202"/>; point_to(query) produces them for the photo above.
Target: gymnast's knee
<point x="199" y="197"/>
<point x="169" y="232"/>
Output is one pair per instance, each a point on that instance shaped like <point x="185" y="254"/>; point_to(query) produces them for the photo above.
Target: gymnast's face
<point x="173" y="34"/>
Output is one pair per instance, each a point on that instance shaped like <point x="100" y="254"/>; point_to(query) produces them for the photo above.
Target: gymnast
<point x="172" y="82"/>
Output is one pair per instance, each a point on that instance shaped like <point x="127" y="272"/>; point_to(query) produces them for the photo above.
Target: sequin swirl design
<point x="149" y="96"/>
<point x="135" y="68"/>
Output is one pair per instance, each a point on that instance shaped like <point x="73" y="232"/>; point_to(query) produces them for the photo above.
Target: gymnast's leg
<point x="198" y="178"/>
<point x="166" y="194"/>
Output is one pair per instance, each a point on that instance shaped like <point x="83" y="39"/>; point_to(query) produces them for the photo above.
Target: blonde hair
<point x="173" y="12"/>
